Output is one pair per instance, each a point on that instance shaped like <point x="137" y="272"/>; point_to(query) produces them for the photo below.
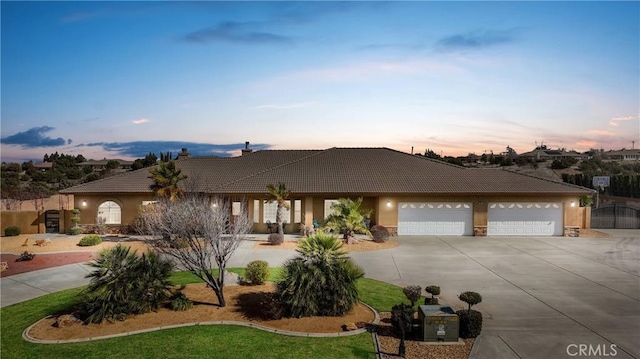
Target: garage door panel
<point x="435" y="219"/>
<point x="516" y="219"/>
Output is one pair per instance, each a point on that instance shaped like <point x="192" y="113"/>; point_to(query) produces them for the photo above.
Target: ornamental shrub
<point x="179" y="302"/>
<point x="471" y="298"/>
<point x="413" y="293"/>
<point x="276" y="239"/>
<point x="402" y="316"/>
<point x="12" y="231"/>
<point x="75" y="231"/>
<point x="470" y="323"/>
<point x="433" y="290"/>
<point x="124" y="283"/>
<point x="321" y="280"/>
<point x="379" y="233"/>
<point x="90" y="240"/>
<point x="257" y="272"/>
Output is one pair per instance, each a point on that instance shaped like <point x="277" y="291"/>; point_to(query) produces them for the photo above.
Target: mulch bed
<point x="42" y="261"/>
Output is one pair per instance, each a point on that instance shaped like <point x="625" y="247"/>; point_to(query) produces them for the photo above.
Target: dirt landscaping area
<point x="363" y="245"/>
<point x="58" y="243"/>
<point x="242" y="302"/>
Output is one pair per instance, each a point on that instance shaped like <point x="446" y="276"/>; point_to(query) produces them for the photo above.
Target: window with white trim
<point x="327" y="207"/>
<point x="110" y="212"/>
<point x="236" y="208"/>
<point x="256" y="211"/>
<point x="297" y="211"/>
<point x="270" y="210"/>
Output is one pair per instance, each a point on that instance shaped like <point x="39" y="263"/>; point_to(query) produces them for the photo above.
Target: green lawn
<point x="219" y="341"/>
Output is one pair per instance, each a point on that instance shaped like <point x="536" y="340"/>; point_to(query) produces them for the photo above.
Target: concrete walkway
<point x="543" y="297"/>
<point x="21" y="287"/>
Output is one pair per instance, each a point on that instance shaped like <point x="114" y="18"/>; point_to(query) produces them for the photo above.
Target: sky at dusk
<point x="122" y="79"/>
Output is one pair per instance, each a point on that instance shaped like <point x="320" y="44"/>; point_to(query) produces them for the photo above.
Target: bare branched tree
<point x="200" y="233"/>
<point x="12" y="199"/>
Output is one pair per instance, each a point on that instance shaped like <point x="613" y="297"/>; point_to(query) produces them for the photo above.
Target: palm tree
<point x="321" y="280"/>
<point x="349" y="218"/>
<point x="279" y="194"/>
<point x="166" y="178"/>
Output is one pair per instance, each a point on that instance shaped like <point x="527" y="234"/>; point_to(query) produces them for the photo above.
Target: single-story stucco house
<point x="410" y="195"/>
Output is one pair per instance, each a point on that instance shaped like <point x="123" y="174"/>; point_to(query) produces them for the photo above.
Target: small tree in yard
<point x="471" y="298"/>
<point x="349" y="218"/>
<point x="321" y="280"/>
<point x="197" y="234"/>
<point x="413" y="293"/>
<point x="470" y="320"/>
<point x="279" y="194"/>
<point x="433" y="290"/>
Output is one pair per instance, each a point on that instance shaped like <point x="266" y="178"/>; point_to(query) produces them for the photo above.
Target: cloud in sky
<point x="286" y="106"/>
<point x="366" y="70"/>
<point x="601" y="133"/>
<point x="141" y="121"/>
<point x="237" y="32"/>
<point x="475" y="40"/>
<point x="34" y="137"/>
<point x="616" y="120"/>
<point x="140" y="149"/>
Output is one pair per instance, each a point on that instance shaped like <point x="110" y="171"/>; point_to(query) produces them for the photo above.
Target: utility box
<point x="438" y="323"/>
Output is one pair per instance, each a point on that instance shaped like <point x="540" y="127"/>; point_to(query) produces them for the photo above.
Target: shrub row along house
<point x="410" y="195"/>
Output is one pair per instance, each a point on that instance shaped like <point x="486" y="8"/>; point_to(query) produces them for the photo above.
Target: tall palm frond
<point x="279" y="194"/>
<point x="166" y="180"/>
<point x="348" y="217"/>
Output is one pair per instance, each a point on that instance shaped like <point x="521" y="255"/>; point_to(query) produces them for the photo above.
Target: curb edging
<point x="376" y="320"/>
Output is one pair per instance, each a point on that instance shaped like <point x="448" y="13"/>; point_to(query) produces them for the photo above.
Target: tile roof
<point x="335" y="170"/>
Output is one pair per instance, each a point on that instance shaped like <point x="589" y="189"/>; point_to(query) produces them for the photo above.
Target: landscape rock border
<point x="376" y="320"/>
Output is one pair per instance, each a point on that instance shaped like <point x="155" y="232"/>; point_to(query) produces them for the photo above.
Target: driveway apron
<point x="543" y="297"/>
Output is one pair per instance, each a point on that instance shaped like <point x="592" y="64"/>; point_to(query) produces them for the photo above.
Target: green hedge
<point x="90" y="240"/>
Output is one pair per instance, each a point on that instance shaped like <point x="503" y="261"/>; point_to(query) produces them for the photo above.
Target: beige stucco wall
<point x="29" y="222"/>
<point x="385" y="208"/>
<point x="129" y="205"/>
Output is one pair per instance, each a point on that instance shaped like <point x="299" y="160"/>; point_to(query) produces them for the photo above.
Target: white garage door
<point x="442" y="219"/>
<point x="524" y="219"/>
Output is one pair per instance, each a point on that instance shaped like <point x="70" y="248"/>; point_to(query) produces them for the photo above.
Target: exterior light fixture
<point x="573" y="203"/>
<point x="84" y="203"/>
<point x="389" y="204"/>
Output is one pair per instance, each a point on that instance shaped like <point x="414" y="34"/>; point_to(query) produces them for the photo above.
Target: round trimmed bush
<point x="75" y="231"/>
<point x="470" y="323"/>
<point x="379" y="233"/>
<point x="433" y="290"/>
<point x="12" y="231"/>
<point x="257" y="272"/>
<point x="471" y="298"/>
<point x="413" y="293"/>
<point x="90" y="240"/>
<point x="276" y="239"/>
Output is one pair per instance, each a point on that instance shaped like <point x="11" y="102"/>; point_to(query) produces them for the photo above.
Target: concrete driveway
<point x="543" y="297"/>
